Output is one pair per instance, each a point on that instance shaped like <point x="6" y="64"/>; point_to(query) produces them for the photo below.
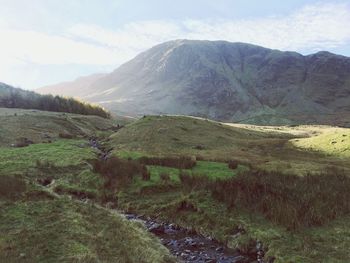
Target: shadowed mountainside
<point x="231" y="82"/>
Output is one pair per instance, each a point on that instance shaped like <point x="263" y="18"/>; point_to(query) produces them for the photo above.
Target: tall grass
<point x="11" y="187"/>
<point x="182" y="162"/>
<point x="288" y="200"/>
<point x="285" y="199"/>
<point x="117" y="173"/>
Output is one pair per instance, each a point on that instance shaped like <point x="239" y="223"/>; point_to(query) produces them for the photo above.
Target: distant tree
<point x="17" y="98"/>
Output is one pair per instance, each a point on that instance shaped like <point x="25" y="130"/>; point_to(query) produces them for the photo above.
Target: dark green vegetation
<point x="266" y="149"/>
<point x="17" y="98"/>
<point x="39" y="226"/>
<point x="296" y="202"/>
<point x="59" y="230"/>
<point x="39" y="223"/>
<point x="237" y="184"/>
<point x="288" y="200"/>
<point x="227" y="81"/>
<point x="39" y="126"/>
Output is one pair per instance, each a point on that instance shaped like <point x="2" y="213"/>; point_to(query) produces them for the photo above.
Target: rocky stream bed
<point x="187" y="245"/>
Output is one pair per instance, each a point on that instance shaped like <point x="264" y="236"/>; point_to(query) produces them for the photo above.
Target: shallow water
<point x="189" y="246"/>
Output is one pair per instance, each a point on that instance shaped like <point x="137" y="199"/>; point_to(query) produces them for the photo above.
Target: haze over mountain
<point x="225" y="81"/>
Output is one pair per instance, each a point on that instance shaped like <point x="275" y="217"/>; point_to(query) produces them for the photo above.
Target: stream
<point x="187" y="245"/>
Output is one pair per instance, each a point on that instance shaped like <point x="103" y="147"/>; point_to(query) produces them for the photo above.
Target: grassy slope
<point x="265" y="147"/>
<point x="65" y="231"/>
<point x="38" y="228"/>
<point x="331" y="141"/>
<point x="40" y="126"/>
<point x="159" y="136"/>
<point x="269" y="147"/>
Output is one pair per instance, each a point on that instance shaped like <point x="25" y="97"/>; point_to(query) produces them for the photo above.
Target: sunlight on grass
<point x="60" y="153"/>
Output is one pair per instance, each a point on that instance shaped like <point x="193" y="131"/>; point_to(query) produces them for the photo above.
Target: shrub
<point x="116" y="174"/>
<point x="23" y="142"/>
<point x="191" y="182"/>
<point x="11" y="187"/>
<point x="65" y="135"/>
<point x="233" y="164"/>
<point x="288" y="200"/>
<point x="164" y="177"/>
<point x="175" y="162"/>
<point x="146" y="175"/>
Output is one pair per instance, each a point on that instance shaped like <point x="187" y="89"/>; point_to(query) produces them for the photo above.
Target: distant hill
<point x="11" y="97"/>
<point x="77" y="88"/>
<point x="229" y="81"/>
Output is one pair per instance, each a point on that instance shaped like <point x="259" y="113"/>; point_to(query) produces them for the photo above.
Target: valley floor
<point x="42" y="221"/>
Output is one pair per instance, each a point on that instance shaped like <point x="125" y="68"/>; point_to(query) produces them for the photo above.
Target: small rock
<point x="156" y="228"/>
<point x="219" y="249"/>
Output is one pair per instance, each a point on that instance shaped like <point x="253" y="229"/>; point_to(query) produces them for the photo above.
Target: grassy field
<point x="330" y="141"/>
<point x="264" y="148"/>
<point x="268" y="148"/>
<point x="61" y="229"/>
<point x="66" y="231"/>
<point x="38" y="226"/>
<point x="43" y="126"/>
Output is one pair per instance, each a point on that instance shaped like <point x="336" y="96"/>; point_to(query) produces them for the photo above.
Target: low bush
<point x="175" y="162"/>
<point x="164" y="177"/>
<point x="288" y="200"/>
<point x="23" y="142"/>
<point x="146" y="175"/>
<point x="233" y="164"/>
<point x="117" y="173"/>
<point x="194" y="182"/>
<point x="65" y="135"/>
<point x="11" y="187"/>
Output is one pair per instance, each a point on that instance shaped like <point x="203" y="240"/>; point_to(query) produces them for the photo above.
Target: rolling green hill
<point x="52" y="204"/>
<point x="270" y="148"/>
<point x="42" y="126"/>
<point x="40" y="223"/>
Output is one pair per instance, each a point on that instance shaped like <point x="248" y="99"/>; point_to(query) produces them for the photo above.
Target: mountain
<point x="229" y="82"/>
<point x="75" y="88"/>
<point x="11" y="97"/>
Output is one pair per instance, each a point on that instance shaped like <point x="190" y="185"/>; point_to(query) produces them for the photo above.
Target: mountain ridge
<point x="229" y="82"/>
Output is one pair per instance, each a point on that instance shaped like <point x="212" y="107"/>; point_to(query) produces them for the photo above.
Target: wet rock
<point x="219" y="249"/>
<point x="156" y="229"/>
<point x="130" y="216"/>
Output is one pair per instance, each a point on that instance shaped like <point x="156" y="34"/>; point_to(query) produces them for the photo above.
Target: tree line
<point x="17" y="98"/>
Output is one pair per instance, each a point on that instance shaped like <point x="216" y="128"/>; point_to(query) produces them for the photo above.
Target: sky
<point x="44" y="42"/>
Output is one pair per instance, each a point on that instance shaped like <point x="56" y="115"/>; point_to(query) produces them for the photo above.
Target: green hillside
<point x="55" y="205"/>
<point x="41" y="224"/>
<point x="44" y="126"/>
<point x="11" y="97"/>
<point x="269" y="148"/>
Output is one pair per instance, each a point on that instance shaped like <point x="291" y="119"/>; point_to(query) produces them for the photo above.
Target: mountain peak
<point x="228" y="81"/>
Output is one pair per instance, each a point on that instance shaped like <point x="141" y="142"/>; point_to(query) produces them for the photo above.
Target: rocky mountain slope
<point x="231" y="82"/>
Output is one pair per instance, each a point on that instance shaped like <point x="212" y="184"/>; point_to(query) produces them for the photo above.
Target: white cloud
<point x="35" y="47"/>
<point x="314" y="27"/>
